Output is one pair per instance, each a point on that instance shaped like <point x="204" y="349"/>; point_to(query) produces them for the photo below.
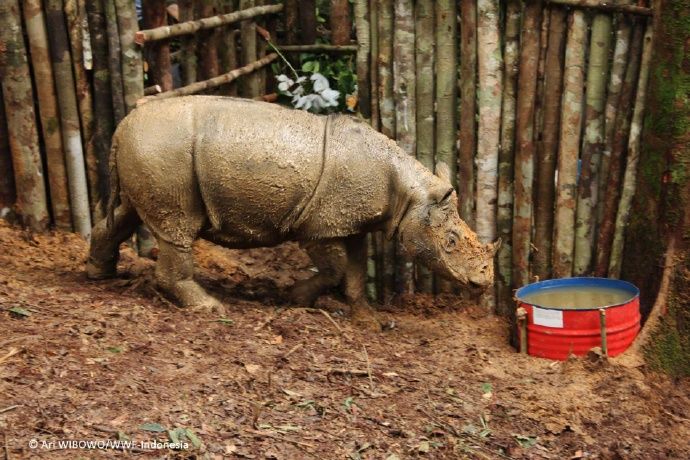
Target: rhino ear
<point x="442" y="172"/>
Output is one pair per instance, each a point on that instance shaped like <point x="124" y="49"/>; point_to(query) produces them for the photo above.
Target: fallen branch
<point x="9" y="354"/>
<point x="605" y="6"/>
<point x="190" y="27"/>
<point x="213" y="82"/>
<point x="154" y="89"/>
<point x="319" y="48"/>
<point x="7" y="409"/>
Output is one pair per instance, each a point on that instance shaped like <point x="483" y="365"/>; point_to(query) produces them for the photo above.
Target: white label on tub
<point x="548" y="318"/>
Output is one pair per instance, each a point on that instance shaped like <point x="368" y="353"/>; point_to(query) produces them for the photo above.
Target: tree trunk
<point x="569" y="148"/>
<point x="633" y="157"/>
<point x="363" y="52"/>
<point x="547" y="149"/>
<point x="47" y="108"/>
<point x="207" y="42"/>
<point x="663" y="189"/>
<point x="468" y="110"/>
<point x="424" y="63"/>
<point x="189" y="61"/>
<point x="228" y="50"/>
<point x="620" y="140"/>
<point x="158" y="52"/>
<point x="588" y="185"/>
<point x="446" y="85"/>
<point x="69" y="117"/>
<point x="250" y="84"/>
<point x="291" y="21"/>
<point x="102" y="94"/>
<point x="504" y="211"/>
<point x="307" y="22"/>
<point x="405" y="107"/>
<point x="373" y="63"/>
<point x="21" y="120"/>
<point x="76" y="17"/>
<point x="341" y="25"/>
<point x="524" y="142"/>
<point x="8" y="194"/>
<point x="115" y="61"/>
<point x="132" y="67"/>
<point x="385" y="69"/>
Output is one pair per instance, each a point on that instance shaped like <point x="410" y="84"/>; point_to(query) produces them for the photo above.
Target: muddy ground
<point x="113" y="360"/>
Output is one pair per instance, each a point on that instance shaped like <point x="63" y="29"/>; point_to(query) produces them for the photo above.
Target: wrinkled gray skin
<point x="246" y="174"/>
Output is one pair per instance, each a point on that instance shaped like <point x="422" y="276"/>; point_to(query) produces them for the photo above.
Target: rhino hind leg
<point x="175" y="275"/>
<point x="355" y="284"/>
<point x="105" y="242"/>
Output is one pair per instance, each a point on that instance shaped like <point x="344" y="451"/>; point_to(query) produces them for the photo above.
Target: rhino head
<point x="434" y="234"/>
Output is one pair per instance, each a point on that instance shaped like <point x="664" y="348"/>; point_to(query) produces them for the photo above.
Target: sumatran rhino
<point x="246" y="174"/>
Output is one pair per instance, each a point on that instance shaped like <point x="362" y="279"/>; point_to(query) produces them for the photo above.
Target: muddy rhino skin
<point x="249" y="174"/>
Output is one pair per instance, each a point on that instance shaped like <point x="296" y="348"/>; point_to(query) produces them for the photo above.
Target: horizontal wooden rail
<point x="319" y="48"/>
<point x="604" y="6"/>
<point x="189" y="27"/>
<point x="213" y="82"/>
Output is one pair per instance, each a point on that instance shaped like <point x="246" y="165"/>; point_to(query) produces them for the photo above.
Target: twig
<point x="366" y="356"/>
<point x="293" y="349"/>
<point x="7" y="409"/>
<point x="12" y="352"/>
<point x="280" y="438"/>
<point x="327" y="315"/>
<point x="355" y="372"/>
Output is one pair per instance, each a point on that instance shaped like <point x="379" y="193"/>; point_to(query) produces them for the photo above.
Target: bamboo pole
<point x="102" y="94"/>
<point x="363" y="50"/>
<point x="446" y="85"/>
<point x="588" y="184"/>
<point x="424" y="46"/>
<point x="524" y="153"/>
<point x="8" y="194"/>
<point x="69" y="117"/>
<point x="307" y="22"/>
<point x="191" y="27"/>
<point x="490" y="90"/>
<point x="76" y="15"/>
<point x="207" y="43"/>
<point x="213" y="82"/>
<point x="569" y="147"/>
<point x="21" y="120"/>
<point x="249" y="87"/>
<point x="155" y="15"/>
<point x="621" y="130"/>
<point x="189" y="61"/>
<point x="547" y="150"/>
<point x="619" y="63"/>
<point x="373" y="63"/>
<point x="114" y="61"/>
<point x="633" y="157"/>
<point x="467" y="135"/>
<point x="34" y="20"/>
<point x="387" y="113"/>
<point x="504" y="204"/>
<point x="606" y="7"/>
<point x="404" y="88"/>
<point x="291" y="21"/>
<point x="341" y="25"/>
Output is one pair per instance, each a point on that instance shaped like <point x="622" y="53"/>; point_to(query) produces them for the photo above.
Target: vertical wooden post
<point x="373" y="63"/>
<point x="8" y="194"/>
<point x="404" y="87"/>
<point x="249" y="84"/>
<point x="114" y="61"/>
<point x="228" y="50"/>
<point x="291" y="15"/>
<point x="341" y="25"/>
<point x="48" y="110"/>
<point x="363" y="53"/>
<point x="189" y="61"/>
<point x="307" y="21"/>
<point x="155" y="15"/>
<point x="468" y="109"/>
<point x="69" y="117"/>
<point x="569" y="148"/>
<point x="446" y="85"/>
<point x="21" y="120"/>
<point x="207" y="43"/>
<point x="602" y="327"/>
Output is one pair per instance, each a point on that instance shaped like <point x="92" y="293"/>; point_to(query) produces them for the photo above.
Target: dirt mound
<point x="113" y="360"/>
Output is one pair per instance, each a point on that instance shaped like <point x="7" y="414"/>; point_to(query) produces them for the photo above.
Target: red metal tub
<point x="557" y="329"/>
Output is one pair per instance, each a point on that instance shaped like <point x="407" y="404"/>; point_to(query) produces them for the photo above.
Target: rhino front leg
<point x="330" y="258"/>
<point x="175" y="275"/>
<point x="355" y="283"/>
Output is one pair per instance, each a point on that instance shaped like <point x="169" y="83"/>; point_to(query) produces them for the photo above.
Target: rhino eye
<point x="451" y="242"/>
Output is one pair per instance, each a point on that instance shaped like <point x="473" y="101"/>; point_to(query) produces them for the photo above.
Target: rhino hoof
<point x="364" y="318"/>
<point x="213" y="307"/>
<point x="96" y="270"/>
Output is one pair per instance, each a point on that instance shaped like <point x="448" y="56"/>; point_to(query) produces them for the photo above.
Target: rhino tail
<point x="114" y="185"/>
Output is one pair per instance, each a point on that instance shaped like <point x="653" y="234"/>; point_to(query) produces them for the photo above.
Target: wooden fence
<point x="535" y="106"/>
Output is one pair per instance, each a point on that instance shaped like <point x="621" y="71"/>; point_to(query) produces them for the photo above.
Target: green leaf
<point x="152" y="427"/>
<point x="486" y="388"/>
<point x="349" y="401"/>
<point x="227" y="321"/>
<point x="196" y="442"/>
<point x="525" y="441"/>
<point x="114" y="349"/>
<point x="19" y="312"/>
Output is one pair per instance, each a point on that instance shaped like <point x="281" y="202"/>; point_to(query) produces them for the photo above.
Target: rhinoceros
<point x="247" y="174"/>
